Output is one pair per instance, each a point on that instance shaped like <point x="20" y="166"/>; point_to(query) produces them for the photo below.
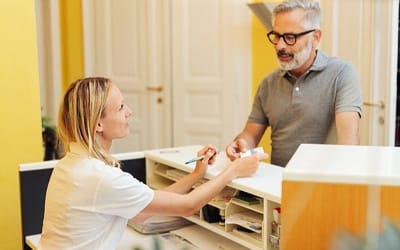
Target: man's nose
<point x="281" y="44"/>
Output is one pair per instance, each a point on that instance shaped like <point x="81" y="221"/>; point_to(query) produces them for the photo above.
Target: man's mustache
<point x="283" y="52"/>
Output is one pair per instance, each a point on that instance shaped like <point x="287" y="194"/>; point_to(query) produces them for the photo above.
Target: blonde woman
<point x="89" y="199"/>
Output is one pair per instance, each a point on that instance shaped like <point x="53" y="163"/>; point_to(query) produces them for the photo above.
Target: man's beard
<point x="299" y="58"/>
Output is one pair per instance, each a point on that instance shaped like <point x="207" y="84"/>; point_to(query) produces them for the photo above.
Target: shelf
<point x="258" y="208"/>
<point x="244" y="240"/>
<point x="218" y="204"/>
<point x="160" y="184"/>
<point x="254" y="238"/>
<point x="162" y="172"/>
<point x="248" y="219"/>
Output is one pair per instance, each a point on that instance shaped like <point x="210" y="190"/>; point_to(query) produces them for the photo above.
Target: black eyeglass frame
<point x="285" y="36"/>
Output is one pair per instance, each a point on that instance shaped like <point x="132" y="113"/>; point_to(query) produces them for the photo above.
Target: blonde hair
<point x="80" y="111"/>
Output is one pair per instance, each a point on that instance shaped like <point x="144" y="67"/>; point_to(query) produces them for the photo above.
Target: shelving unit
<point x="244" y="223"/>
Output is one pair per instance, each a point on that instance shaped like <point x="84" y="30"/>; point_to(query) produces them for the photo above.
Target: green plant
<point x="47" y="125"/>
<point x="52" y="146"/>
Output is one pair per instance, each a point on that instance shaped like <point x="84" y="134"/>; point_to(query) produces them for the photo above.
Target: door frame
<point x="385" y="54"/>
<point x="49" y="56"/>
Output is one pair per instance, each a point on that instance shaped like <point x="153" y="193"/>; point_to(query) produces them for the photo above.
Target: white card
<point x="252" y="151"/>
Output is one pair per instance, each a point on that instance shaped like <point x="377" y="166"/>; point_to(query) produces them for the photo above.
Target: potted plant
<point x="51" y="145"/>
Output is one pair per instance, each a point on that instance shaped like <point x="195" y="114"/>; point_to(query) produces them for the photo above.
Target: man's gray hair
<point x="312" y="9"/>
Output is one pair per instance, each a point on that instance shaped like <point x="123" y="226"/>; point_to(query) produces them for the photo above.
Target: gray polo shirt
<point x="303" y="110"/>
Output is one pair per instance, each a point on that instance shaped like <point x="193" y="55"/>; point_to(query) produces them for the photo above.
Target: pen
<point x="198" y="158"/>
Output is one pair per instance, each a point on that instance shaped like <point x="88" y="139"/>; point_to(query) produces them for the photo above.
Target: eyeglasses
<point x="289" y="38"/>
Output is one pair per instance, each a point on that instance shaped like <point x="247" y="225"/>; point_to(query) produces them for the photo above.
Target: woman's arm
<point x="184" y="184"/>
<point x="167" y="203"/>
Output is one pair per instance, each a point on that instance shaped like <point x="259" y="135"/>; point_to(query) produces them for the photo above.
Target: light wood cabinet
<point x="247" y="223"/>
<point x="336" y="194"/>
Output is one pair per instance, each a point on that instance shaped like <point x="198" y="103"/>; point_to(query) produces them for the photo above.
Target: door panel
<point x="119" y="45"/>
<point x="183" y="67"/>
<point x="205" y="64"/>
<point x="365" y="33"/>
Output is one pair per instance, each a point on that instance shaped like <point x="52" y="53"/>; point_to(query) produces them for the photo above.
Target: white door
<point x="123" y="41"/>
<point x="365" y="33"/>
<point x="183" y="67"/>
<point x="211" y="65"/>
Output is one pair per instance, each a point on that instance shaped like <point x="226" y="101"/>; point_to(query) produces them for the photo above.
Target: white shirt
<point x="88" y="203"/>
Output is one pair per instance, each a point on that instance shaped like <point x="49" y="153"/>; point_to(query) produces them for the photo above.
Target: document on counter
<point x="159" y="224"/>
<point x="196" y="235"/>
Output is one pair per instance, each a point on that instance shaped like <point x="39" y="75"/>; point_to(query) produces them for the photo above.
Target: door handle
<point x="157" y="88"/>
<point x="379" y="104"/>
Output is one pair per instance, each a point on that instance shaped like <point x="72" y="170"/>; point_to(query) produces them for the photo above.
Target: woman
<point x="89" y="199"/>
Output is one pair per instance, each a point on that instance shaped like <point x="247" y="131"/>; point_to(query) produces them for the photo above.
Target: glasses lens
<point x="290" y="39"/>
<point x="273" y="38"/>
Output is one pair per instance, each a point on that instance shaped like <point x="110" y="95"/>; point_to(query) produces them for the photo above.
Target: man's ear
<point x="99" y="127"/>
<point x="317" y="37"/>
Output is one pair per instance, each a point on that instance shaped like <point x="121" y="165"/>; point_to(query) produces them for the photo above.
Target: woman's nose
<point x="128" y="111"/>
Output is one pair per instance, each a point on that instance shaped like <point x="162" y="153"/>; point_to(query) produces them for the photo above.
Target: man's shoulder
<point x="333" y="60"/>
<point x="327" y="63"/>
<point x="273" y="76"/>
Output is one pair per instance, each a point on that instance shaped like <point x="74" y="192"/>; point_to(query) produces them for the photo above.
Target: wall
<point x="71" y="41"/>
<point x="263" y="62"/>
<point x="20" y="130"/>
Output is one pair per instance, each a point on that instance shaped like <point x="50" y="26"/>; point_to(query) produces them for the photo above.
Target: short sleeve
<point x="257" y="114"/>
<point x="120" y="194"/>
<point x="348" y="96"/>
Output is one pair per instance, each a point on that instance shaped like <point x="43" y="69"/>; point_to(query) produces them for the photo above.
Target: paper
<point x="252" y="151"/>
<point x="206" y="239"/>
<point x="159" y="224"/>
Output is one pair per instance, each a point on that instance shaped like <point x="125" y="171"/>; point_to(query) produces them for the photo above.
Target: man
<point x="307" y="96"/>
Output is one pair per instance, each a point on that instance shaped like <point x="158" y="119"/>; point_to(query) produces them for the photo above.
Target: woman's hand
<point x="248" y="165"/>
<point x="210" y="153"/>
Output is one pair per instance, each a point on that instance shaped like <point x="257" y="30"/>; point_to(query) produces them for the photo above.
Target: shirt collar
<point x="77" y="149"/>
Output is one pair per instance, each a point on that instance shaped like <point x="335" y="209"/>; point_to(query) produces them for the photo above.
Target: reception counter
<point x="333" y="194"/>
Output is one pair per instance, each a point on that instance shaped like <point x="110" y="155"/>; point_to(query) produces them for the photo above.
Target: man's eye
<point x="290" y="37"/>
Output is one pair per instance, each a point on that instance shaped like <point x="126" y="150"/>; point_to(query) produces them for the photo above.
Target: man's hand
<point x="234" y="149"/>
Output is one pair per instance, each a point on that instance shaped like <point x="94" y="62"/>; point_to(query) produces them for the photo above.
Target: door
<point x="183" y="67"/>
<point x="211" y="65"/>
<point x="125" y="42"/>
<point x="365" y="33"/>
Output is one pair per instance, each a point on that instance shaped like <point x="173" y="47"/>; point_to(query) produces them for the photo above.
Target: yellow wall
<point x="20" y="130"/>
<point x="71" y="40"/>
<point x="263" y="62"/>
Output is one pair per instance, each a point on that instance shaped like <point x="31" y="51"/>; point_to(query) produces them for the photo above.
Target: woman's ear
<point x="99" y="127"/>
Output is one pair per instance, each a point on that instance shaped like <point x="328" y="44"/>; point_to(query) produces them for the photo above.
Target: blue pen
<point x="198" y="158"/>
